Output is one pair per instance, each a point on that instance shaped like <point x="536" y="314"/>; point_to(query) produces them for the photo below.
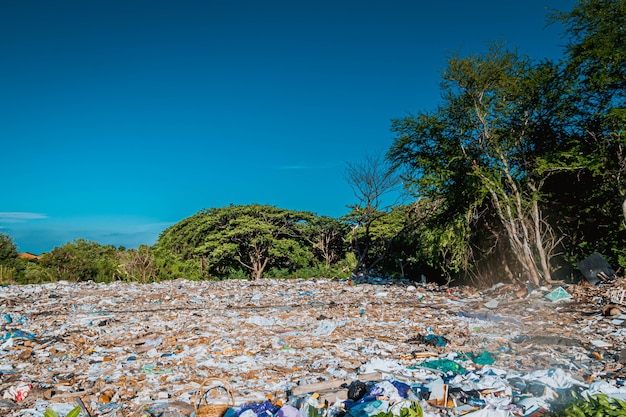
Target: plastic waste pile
<point x="296" y="348"/>
<point x="425" y="392"/>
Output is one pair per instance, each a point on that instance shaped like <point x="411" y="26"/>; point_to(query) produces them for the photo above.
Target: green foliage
<point x="33" y="273"/>
<point x="8" y="250"/>
<point x="327" y="239"/>
<point x="406" y="409"/>
<point x="348" y="264"/>
<point x="426" y="246"/>
<point x="539" y="144"/>
<point x="75" y="412"/>
<point x="11" y="266"/>
<point x="587" y="170"/>
<point x="50" y="413"/>
<point x="596" y="53"/>
<point x="138" y="265"/>
<point x="82" y="260"/>
<point x="596" y="405"/>
<point x="238" y="273"/>
<point x="7" y="275"/>
<point x="474" y="157"/>
<point x="171" y="266"/>
<point x="252" y="237"/>
<point x="373" y="240"/>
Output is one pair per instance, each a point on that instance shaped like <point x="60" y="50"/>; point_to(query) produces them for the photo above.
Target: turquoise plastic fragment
<point x="484" y="358"/>
<point x="558" y="294"/>
<point x="445" y="365"/>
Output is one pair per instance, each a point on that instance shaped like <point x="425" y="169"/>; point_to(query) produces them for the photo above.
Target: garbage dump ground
<point x="307" y="348"/>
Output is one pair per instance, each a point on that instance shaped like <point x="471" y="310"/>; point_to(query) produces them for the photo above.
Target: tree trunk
<point x="258" y="266"/>
<point x="517" y="232"/>
<point x="539" y="243"/>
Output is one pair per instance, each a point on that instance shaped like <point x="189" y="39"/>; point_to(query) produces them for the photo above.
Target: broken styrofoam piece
<point x="600" y="343"/>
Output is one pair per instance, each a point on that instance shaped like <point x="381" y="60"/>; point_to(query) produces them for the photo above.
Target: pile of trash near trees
<point x="309" y="348"/>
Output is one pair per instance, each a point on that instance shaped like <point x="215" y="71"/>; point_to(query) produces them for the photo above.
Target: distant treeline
<point x="246" y="242"/>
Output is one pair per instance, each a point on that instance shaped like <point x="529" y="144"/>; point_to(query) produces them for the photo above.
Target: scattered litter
<point x="558" y="295"/>
<point x="17" y="334"/>
<point x="18" y="393"/>
<point x="600" y="343"/>
<point x="367" y="347"/>
<point x="596" y="269"/>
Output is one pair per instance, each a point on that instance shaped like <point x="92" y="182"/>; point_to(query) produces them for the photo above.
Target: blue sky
<point x="121" y="118"/>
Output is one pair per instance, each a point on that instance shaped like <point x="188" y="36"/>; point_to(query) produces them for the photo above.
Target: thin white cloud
<point x="294" y="167"/>
<point x="20" y="216"/>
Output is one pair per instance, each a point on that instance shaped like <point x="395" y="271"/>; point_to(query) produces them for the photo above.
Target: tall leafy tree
<point x="82" y="260"/>
<point x="8" y="250"/>
<point x="425" y="246"/>
<point x="379" y="235"/>
<point x="373" y="183"/>
<point x="169" y="265"/>
<point x="253" y="237"/>
<point x="138" y="264"/>
<point x="474" y="155"/>
<point x="589" y="172"/>
<point x="326" y="236"/>
<point x="10" y="265"/>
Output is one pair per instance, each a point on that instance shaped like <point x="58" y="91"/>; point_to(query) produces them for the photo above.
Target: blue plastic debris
<point x="17" y="334"/>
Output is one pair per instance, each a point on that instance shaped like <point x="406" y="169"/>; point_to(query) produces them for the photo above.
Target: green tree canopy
<point x="474" y="156"/>
<point x="10" y="265"/>
<point x="587" y="184"/>
<point x="254" y="237"/>
<point x="8" y="250"/>
<point x="326" y="236"/>
<point x="82" y="260"/>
